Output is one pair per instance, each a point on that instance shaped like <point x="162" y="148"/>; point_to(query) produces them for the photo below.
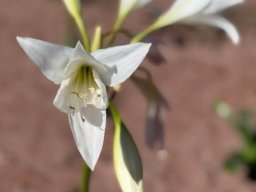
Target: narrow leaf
<point x="127" y="162"/>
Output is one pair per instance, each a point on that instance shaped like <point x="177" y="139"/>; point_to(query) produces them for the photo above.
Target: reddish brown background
<point x="37" y="151"/>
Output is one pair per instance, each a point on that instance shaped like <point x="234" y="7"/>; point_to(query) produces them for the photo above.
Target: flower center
<point x="84" y="90"/>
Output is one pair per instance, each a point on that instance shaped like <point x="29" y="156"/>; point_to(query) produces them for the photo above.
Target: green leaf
<point x="127" y="161"/>
<point x="246" y="127"/>
<point x="249" y="153"/>
<point x="234" y="162"/>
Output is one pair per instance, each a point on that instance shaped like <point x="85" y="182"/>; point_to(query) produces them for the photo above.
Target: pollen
<point x="85" y="89"/>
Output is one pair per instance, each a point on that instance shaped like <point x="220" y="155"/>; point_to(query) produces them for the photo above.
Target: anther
<point x="81" y="95"/>
<point x="82" y="118"/>
<point x="73" y="109"/>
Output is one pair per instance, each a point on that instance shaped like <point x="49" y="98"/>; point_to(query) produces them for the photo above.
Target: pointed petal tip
<point x="236" y="41"/>
<point x="88" y="135"/>
<point x="19" y="39"/>
<point x="233" y="34"/>
<point x="91" y="166"/>
<point x="148" y="45"/>
<point x="90" y="162"/>
<point x="79" y="44"/>
<point x="79" y="48"/>
<point x="145" y="46"/>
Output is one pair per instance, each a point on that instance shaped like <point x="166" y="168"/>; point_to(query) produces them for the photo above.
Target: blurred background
<point x="37" y="150"/>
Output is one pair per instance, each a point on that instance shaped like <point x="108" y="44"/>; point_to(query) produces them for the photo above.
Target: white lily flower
<point x="83" y="77"/>
<point x="126" y="6"/>
<point x="200" y="12"/>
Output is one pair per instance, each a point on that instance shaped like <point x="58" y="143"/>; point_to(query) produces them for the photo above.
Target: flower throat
<point x="85" y="87"/>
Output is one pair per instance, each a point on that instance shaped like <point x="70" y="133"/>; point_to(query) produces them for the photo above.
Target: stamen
<point x="92" y="90"/>
<point x="73" y="109"/>
<point x="81" y="95"/>
<point x="85" y="89"/>
<point x="82" y="118"/>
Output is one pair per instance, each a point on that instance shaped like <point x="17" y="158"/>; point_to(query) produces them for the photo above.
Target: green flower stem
<point x="85" y="37"/>
<point x="117" y="132"/>
<point x="115" y="115"/>
<point x="117" y="26"/>
<point x="97" y="39"/>
<point x="144" y="33"/>
<point x="124" y="32"/>
<point x="85" y="183"/>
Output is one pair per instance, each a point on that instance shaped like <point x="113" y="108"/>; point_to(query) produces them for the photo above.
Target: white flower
<point x="126" y="6"/>
<point x="200" y="12"/>
<point x="83" y="76"/>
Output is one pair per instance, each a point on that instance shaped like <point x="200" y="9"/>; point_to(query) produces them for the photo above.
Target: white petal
<point x="142" y="3"/>
<point x="217" y="21"/>
<point x="127" y="6"/>
<point x="219" y="5"/>
<point x="81" y="57"/>
<point x="125" y="59"/>
<point x="52" y="59"/>
<point x="182" y="9"/>
<point x="89" y="133"/>
<point x="61" y="100"/>
<point x="103" y="99"/>
<point x="66" y="101"/>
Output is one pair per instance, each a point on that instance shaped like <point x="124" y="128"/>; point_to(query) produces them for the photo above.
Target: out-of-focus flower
<point x="195" y="12"/>
<point x="83" y="77"/>
<point x="126" y="6"/>
<point x="200" y="12"/>
<point x="73" y="7"/>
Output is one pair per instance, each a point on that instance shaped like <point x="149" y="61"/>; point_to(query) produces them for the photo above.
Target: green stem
<point x="143" y="34"/>
<point x="85" y="183"/>
<point x="115" y="114"/>
<point x="85" y="37"/>
<point x="124" y="32"/>
<point x="117" y="26"/>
